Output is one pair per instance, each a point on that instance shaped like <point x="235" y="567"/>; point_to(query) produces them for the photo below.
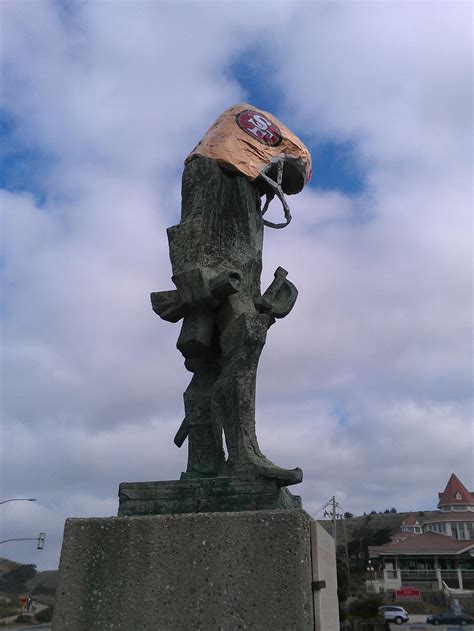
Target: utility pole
<point x="331" y="511"/>
<point x="348" y="565"/>
<point x="334" y="511"/>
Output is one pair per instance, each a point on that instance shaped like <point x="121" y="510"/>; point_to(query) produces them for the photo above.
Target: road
<point x="416" y="624"/>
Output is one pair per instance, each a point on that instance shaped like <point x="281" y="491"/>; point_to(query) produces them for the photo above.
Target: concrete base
<point x="209" y="571"/>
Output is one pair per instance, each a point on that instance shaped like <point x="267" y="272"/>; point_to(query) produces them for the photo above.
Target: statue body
<point x="216" y="257"/>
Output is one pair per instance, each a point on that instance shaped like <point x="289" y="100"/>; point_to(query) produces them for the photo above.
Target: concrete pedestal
<point x="209" y="571"/>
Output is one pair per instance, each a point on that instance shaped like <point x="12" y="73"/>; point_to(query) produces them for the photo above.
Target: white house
<point x="431" y="553"/>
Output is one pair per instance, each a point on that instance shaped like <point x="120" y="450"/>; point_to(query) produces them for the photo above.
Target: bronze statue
<point x="216" y="257"/>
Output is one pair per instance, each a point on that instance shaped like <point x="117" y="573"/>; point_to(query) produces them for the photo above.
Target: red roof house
<point x="455" y="496"/>
<point x="435" y="551"/>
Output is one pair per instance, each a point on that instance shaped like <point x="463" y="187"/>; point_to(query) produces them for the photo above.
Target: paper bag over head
<point x="251" y="142"/>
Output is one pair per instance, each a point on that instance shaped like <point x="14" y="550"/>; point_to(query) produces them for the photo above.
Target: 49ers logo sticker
<point x="258" y="126"/>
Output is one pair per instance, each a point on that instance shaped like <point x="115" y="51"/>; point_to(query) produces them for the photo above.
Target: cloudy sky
<point x="367" y="384"/>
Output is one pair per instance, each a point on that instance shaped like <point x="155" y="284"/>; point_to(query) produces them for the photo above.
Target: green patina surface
<point x="216" y="258"/>
<point x="211" y="495"/>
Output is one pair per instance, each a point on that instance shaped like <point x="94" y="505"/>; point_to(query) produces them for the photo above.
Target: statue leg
<point x="233" y="397"/>
<point x="205" y="448"/>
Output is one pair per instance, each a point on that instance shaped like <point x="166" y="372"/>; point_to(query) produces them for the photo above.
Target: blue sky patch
<point x="21" y="168"/>
<point x="335" y="164"/>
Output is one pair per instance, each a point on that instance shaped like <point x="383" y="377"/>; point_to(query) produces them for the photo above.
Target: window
<point x="470" y="529"/>
<point x="457" y="529"/>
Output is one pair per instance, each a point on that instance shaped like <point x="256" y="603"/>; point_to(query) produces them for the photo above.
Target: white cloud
<point x="376" y="352"/>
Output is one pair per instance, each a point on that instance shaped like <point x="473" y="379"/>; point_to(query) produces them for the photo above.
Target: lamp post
<point x="371" y="570"/>
<point x="40" y="538"/>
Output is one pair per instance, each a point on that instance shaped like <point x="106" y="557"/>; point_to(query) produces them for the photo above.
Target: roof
<point x="411" y="520"/>
<point x="455" y="493"/>
<point x="403" y="535"/>
<point x="428" y="542"/>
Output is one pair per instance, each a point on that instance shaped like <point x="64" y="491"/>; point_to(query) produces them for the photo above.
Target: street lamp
<point x="371" y="570"/>
<point x="40" y="539"/>
<point x="20" y="499"/>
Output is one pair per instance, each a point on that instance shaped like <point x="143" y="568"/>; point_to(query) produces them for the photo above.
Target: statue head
<point x="257" y="145"/>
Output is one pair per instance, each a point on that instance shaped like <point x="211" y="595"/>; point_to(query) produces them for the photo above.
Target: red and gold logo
<point x="259" y="126"/>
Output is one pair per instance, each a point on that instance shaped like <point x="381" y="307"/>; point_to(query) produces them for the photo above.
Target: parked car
<point x="450" y="618"/>
<point x="393" y="613"/>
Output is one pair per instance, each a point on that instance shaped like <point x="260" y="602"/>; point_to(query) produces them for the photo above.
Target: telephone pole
<point x="331" y="511"/>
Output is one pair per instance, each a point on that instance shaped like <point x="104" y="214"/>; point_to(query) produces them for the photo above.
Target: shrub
<point x="7" y="610"/>
<point x="45" y="616"/>
<point x="365" y="607"/>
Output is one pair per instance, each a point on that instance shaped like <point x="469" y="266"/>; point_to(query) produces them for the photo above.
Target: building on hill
<point x="455" y="496"/>
<point x="410" y="527"/>
<point x="435" y="553"/>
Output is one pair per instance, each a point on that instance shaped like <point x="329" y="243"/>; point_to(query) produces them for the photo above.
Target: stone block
<point x="203" y="495"/>
<point x="325" y="601"/>
<point x="190" y="572"/>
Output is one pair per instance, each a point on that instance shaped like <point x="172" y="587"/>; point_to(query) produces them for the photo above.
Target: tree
<point x="393" y="510"/>
<point x="364" y="537"/>
<point x="380" y="536"/>
<point x="15" y="580"/>
<point x="348" y="515"/>
<point x="342" y="575"/>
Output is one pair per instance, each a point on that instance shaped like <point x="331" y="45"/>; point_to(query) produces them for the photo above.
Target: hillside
<point x="6" y="565"/>
<point x="355" y="525"/>
<point x="42" y="586"/>
<point x="44" y="582"/>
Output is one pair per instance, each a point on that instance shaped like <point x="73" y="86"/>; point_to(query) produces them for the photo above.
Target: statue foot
<point x="265" y="469"/>
<point x="283" y="477"/>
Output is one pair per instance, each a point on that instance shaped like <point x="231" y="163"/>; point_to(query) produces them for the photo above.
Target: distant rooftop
<point x="455" y="493"/>
<point x="428" y="542"/>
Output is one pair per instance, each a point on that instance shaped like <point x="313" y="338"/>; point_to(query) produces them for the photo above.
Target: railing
<point x="418" y="575"/>
<point x="430" y="575"/>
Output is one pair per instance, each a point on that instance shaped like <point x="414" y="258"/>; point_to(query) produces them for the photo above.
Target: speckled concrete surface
<point x="208" y="571"/>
